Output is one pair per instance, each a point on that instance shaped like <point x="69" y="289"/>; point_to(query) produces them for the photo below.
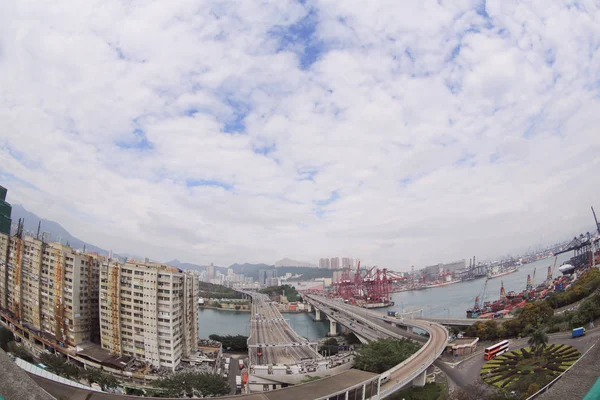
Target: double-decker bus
<point x="495" y="350"/>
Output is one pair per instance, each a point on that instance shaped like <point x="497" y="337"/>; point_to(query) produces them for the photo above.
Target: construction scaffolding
<point x="59" y="302"/>
<point x="114" y="301"/>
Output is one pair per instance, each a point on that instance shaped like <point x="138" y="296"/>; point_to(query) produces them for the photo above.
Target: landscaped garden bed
<point x="520" y="368"/>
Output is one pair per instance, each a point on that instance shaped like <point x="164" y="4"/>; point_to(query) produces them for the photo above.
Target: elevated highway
<point x="273" y="338"/>
<point x="459" y="321"/>
<point x="453" y="321"/>
<point x="364" y="333"/>
<point x="411" y="370"/>
<point x="351" y="384"/>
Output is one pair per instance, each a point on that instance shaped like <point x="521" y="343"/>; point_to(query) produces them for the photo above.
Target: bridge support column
<point x="308" y="307"/>
<point x="332" y="328"/>
<point x="317" y="315"/>
<point x="420" y="379"/>
<point x="409" y="329"/>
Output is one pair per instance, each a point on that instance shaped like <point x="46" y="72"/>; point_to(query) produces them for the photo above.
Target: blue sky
<point x="225" y="132"/>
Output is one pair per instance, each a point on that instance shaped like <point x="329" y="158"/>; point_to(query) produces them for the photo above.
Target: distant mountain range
<point x="52" y="231"/>
<point x="288" y="262"/>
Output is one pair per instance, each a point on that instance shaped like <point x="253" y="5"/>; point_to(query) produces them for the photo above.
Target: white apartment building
<point x="149" y="311"/>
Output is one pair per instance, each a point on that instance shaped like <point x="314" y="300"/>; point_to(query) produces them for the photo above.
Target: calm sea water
<point x="452" y="300"/>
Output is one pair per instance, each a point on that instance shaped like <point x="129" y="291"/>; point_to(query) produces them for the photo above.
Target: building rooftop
<point x="311" y="390"/>
<point x="16" y="383"/>
<point x="463" y="341"/>
<point x="102" y="356"/>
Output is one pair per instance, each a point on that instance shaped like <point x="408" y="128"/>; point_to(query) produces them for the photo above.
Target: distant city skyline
<point x="405" y="134"/>
<point x="326" y="263"/>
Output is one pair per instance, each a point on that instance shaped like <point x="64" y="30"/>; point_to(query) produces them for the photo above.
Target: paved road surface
<point x="279" y="342"/>
<point x="420" y="361"/>
<point x="467" y="371"/>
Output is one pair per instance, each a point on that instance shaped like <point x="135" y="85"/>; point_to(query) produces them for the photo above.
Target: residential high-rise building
<point x="210" y="272"/>
<point x="347" y="262"/>
<point x="4" y="246"/>
<point x="334" y="263"/>
<point x="149" y="311"/>
<point x="273" y="281"/>
<point x="265" y="274"/>
<point x="324" y="263"/>
<point x="51" y="288"/>
<point x="5" y="211"/>
<point x="337" y="276"/>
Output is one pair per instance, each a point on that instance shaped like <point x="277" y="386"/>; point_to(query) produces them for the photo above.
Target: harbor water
<point x="441" y="302"/>
<point x="453" y="300"/>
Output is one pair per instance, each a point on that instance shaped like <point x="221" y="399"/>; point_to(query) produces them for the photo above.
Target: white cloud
<point x="400" y="133"/>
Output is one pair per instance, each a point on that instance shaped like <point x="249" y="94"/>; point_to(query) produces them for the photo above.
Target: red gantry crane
<point x="370" y="290"/>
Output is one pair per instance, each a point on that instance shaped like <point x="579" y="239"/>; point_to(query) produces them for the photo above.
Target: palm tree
<point x="538" y="341"/>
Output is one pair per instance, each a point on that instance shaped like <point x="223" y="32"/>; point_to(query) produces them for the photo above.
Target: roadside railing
<point x="403" y="382"/>
<point x="387" y="374"/>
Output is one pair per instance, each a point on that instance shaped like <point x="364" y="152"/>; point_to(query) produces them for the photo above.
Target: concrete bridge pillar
<point x="409" y="329"/>
<point x="420" y="379"/>
<point x="309" y="307"/>
<point x="332" y="328"/>
<point x="317" y="314"/>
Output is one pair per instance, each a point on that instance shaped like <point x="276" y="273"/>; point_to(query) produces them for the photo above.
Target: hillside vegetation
<point x="210" y="290"/>
<point x="275" y="291"/>
<point x="382" y="355"/>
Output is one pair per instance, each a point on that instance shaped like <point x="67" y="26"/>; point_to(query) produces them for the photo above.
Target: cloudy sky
<point x="400" y="132"/>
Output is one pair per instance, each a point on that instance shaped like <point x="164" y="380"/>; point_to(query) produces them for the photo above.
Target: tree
<point x="536" y="314"/>
<point x="191" y="384"/>
<point x="275" y="291"/>
<point x="531" y="390"/>
<point x="538" y="341"/>
<point x="382" y="355"/>
<point x="20" y="352"/>
<point x="60" y="366"/>
<point x="329" y="347"/>
<point x="235" y="343"/>
<point x="5" y="336"/>
<point x="105" y="380"/>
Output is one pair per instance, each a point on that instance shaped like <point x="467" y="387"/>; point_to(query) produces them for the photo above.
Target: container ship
<point x="497" y="272"/>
